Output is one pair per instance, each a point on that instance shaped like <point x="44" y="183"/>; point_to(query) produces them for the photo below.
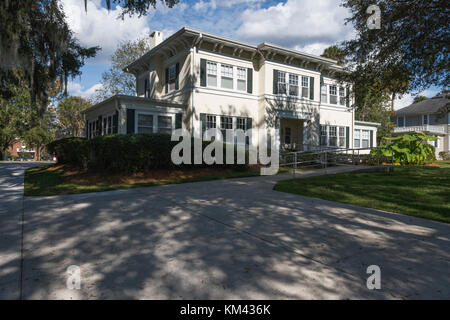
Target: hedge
<point x="123" y="152"/>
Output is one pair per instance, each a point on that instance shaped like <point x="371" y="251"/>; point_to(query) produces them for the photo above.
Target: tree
<point x="336" y="53"/>
<point x="413" y="37"/>
<point x="39" y="134"/>
<point x="419" y="98"/>
<point x="37" y="45"/>
<point x="132" y="7"/>
<point x="70" y="117"/>
<point x="115" y="80"/>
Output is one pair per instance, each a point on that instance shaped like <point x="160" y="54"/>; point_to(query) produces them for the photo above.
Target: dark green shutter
<point x="203" y="72"/>
<point x="178" y="118"/>
<point x="130" y="120"/>
<point x="249" y="80"/>
<point x="177" y="82"/>
<point x="249" y="126"/>
<point x="203" y="123"/>
<point x="167" y="80"/>
<point x="347" y="97"/>
<point x="275" y="81"/>
<point x="371" y="138"/>
<point x="311" y="88"/>
<point x="347" y="137"/>
<point x="116" y="122"/>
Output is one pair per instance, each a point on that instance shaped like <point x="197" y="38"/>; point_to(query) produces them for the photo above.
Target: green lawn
<point x="421" y="191"/>
<point x="43" y="181"/>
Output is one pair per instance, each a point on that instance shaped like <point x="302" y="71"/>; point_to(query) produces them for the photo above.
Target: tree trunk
<point x="392" y="101"/>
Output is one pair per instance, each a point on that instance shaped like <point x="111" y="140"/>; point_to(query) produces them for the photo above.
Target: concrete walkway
<point x="228" y="239"/>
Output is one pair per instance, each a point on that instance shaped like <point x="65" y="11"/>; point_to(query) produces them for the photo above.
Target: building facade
<point x="430" y="116"/>
<point x="196" y="81"/>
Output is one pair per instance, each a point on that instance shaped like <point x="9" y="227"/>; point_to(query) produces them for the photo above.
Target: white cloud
<point x="310" y="26"/>
<point x="213" y="4"/>
<point x="76" y="89"/>
<point x="98" y="27"/>
<point x="408" y="98"/>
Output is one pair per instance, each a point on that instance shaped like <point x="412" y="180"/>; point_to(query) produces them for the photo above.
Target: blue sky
<point x="305" y="25"/>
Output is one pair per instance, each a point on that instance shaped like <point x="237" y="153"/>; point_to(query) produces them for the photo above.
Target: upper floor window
<point x="241" y="79"/>
<point x="323" y="93"/>
<point x="293" y="85"/>
<point x="333" y="95"/>
<point x="342" y="96"/>
<point x="305" y="87"/>
<point x="282" y="82"/>
<point x="227" y="76"/>
<point x="211" y="70"/>
<point x="172" y="77"/>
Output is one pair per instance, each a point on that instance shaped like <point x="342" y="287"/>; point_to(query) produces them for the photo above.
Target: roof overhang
<point x="125" y="98"/>
<point x="367" y="123"/>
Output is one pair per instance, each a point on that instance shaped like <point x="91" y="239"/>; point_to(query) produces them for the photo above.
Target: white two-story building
<point x="196" y="80"/>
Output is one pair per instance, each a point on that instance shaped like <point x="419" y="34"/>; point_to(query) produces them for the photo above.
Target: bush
<point x="445" y="155"/>
<point x="70" y="151"/>
<point x="124" y="152"/>
<point x="411" y="148"/>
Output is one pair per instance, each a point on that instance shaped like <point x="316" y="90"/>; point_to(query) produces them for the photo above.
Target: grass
<point x="51" y="180"/>
<point x="421" y="191"/>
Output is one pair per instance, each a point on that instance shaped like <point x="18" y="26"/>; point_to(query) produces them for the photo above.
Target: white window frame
<point x="234" y="123"/>
<point x="330" y="87"/>
<point x="171" y="81"/>
<point x="341" y="95"/>
<point x="209" y="72"/>
<point x="155" y="119"/>
<point x="241" y="77"/>
<point x="228" y="66"/>
<point x="282" y="76"/>
<point x="357" y="136"/>
<point x="293" y="81"/>
<point x="307" y="87"/>
<point x="324" y="86"/>
<point x="363" y="133"/>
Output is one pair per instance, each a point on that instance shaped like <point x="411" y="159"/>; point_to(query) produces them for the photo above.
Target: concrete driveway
<point x="229" y="239"/>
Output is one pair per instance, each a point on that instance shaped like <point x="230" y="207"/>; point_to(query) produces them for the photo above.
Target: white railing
<point x="423" y="128"/>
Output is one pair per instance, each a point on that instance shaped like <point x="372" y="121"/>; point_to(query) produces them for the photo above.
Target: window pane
<point x="333" y="95"/>
<point x="145" y="120"/>
<point x="305" y="81"/>
<point x="172" y="73"/>
<point x="210" y="122"/>
<point x="342" y="96"/>
<point x="227" y="71"/>
<point x="293" y="79"/>
<point x="241" y="123"/>
<point x="164" y="124"/>
<point x="305" y="92"/>
<point x="212" y="80"/>
<point x="356" y="143"/>
<point x="145" y="130"/>
<point x="227" y="83"/>
<point x="241" y="86"/>
<point x="323" y="94"/>
<point x="241" y="73"/>
<point x="211" y="68"/>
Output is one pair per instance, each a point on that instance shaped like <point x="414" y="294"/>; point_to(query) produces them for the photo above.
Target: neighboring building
<point x="20" y="150"/>
<point x="196" y="80"/>
<point x="425" y="116"/>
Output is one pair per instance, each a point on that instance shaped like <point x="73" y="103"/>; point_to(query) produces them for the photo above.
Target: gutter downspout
<point x="194" y="79"/>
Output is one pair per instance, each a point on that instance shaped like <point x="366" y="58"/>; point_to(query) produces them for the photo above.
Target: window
<point x="425" y="119"/>
<point x="323" y="93"/>
<point x="436" y="143"/>
<point x="226" y="123"/>
<point x="211" y="70"/>
<point x="172" y="77"/>
<point x="342" y="96"/>
<point x="341" y="136"/>
<point x="110" y="131"/>
<point x="357" y="137"/>
<point x="104" y="126"/>
<point x="281" y="82"/>
<point x="241" y="123"/>
<point x="287" y="135"/>
<point x="332" y="136"/>
<point x="210" y="122"/>
<point x="145" y="123"/>
<point x="305" y="87"/>
<point x="400" y="121"/>
<point x="365" y="139"/>
<point x="293" y="85"/>
<point x="333" y="95"/>
<point x="227" y="76"/>
<point x="323" y="135"/>
<point x="241" y="79"/>
<point x="165" y="124"/>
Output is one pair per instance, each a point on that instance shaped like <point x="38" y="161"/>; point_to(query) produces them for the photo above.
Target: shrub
<point x="70" y="151"/>
<point x="411" y="148"/>
<point x="445" y="155"/>
<point x="125" y="152"/>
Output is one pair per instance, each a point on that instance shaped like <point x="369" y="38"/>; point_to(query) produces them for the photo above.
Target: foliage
<point x="445" y="155"/>
<point x="336" y="53"/>
<point x="36" y="45"/>
<point x="122" y="152"/>
<point x="409" y="149"/>
<point x="413" y="38"/>
<point x="71" y="120"/>
<point x="115" y="80"/>
<point x="419" y="98"/>
<point x="132" y="7"/>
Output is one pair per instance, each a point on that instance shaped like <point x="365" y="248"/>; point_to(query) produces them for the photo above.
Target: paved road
<point x="226" y="239"/>
<point x="11" y="205"/>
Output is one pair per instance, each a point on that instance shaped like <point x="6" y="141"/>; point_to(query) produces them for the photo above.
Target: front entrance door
<point x="291" y="134"/>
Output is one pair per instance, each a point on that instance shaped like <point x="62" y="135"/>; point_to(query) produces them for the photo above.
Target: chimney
<point x="156" y="37"/>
